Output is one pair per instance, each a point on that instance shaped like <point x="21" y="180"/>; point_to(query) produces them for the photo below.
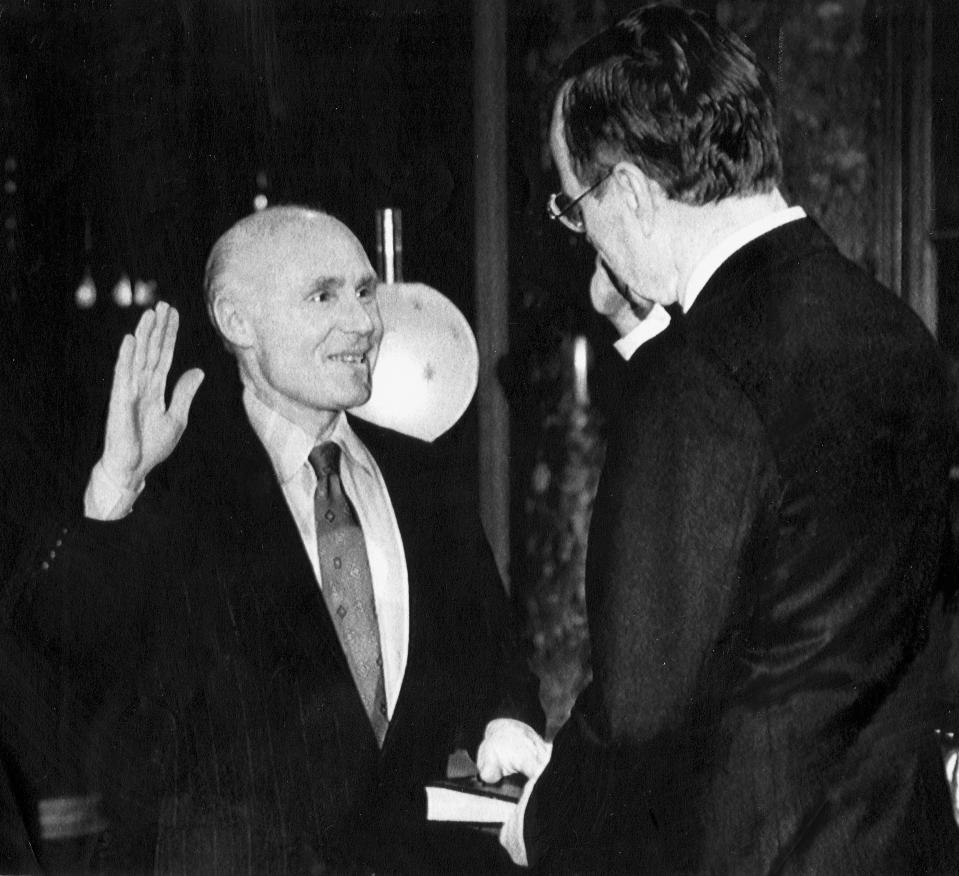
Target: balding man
<point x="286" y="626"/>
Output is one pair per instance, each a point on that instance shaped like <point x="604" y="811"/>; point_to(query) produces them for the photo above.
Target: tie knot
<point x="325" y="459"/>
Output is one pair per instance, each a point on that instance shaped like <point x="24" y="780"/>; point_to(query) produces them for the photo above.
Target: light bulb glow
<point x="86" y="294"/>
<point x="123" y="292"/>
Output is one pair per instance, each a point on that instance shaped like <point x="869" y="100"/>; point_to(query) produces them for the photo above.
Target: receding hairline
<point x="246" y="244"/>
<point x="255" y="230"/>
<point x="239" y="251"/>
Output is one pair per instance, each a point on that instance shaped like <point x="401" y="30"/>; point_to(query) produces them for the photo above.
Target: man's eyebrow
<point x="325" y="284"/>
<point x="332" y="284"/>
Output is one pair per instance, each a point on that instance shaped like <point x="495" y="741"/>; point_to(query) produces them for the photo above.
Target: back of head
<point x="679" y="96"/>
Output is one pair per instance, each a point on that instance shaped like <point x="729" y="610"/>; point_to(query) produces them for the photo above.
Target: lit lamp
<point x="389" y="244"/>
<point x="145" y="293"/>
<point x="123" y="292"/>
<point x="580" y="370"/>
<point x="86" y="294"/>
<point x="428" y="363"/>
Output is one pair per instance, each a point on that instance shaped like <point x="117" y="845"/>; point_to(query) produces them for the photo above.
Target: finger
<point x="122" y="375"/>
<point x="508" y="750"/>
<point x="142" y="340"/>
<point x="183" y="393"/>
<point x="157" y="336"/>
<point x="490" y="773"/>
<point x="119" y="413"/>
<point x="488" y="765"/>
<point x="172" y="324"/>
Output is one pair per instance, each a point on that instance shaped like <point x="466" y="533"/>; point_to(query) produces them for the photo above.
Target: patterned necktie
<point x="347" y="583"/>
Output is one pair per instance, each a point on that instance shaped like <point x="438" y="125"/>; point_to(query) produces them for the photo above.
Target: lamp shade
<point x="428" y="364"/>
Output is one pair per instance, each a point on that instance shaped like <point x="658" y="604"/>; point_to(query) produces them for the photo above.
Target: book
<point x="467" y="800"/>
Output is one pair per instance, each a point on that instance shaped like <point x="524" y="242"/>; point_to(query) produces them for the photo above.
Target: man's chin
<point x="360" y="397"/>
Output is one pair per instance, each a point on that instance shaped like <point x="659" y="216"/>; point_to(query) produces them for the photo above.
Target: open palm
<point x="141" y="430"/>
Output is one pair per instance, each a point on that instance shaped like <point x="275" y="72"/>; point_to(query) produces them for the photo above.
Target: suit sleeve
<point x="678" y="517"/>
<point x="82" y="583"/>
<point x="496" y="657"/>
<point x="69" y="631"/>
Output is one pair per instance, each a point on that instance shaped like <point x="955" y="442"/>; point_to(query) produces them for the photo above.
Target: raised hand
<point x="141" y="430"/>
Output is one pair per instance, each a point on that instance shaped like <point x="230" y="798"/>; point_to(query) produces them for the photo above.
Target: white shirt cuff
<point x="511" y="834"/>
<point x="105" y="499"/>
<point x="656" y="321"/>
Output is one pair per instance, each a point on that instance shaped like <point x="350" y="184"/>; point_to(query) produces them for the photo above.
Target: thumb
<point x="488" y="763"/>
<point x="491" y="771"/>
<point x="183" y="393"/>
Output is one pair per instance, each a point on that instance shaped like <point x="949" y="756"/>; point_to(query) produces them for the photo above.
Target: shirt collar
<point x="289" y="446"/>
<point x="710" y="263"/>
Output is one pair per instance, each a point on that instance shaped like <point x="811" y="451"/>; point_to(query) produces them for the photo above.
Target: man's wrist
<point x="105" y="498"/>
<point x="124" y="481"/>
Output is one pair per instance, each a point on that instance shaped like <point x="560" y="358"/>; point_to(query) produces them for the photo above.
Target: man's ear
<point x="232" y="321"/>
<point x="644" y="195"/>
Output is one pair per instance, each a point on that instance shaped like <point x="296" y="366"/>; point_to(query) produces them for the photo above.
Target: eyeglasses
<point x="568" y="210"/>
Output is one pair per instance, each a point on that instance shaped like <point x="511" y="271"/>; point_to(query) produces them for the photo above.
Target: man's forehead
<point x="322" y="245"/>
<point x="308" y="234"/>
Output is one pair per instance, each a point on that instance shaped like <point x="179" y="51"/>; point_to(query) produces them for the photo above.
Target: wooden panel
<point x="905" y="255"/>
<point x="491" y="283"/>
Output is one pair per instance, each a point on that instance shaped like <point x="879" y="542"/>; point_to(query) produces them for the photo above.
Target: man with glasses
<point x="637" y="319"/>
<point x="768" y="528"/>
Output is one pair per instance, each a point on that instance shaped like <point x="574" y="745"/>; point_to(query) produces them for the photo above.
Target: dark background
<point x="133" y="132"/>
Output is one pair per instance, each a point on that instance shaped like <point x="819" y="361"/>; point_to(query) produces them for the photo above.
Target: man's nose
<point x="358" y="318"/>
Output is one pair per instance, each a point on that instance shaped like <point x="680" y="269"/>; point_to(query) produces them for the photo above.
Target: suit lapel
<point x="270" y="565"/>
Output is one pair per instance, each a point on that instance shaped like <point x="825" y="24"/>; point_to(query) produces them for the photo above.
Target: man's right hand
<point x="141" y="430"/>
<point x="618" y="303"/>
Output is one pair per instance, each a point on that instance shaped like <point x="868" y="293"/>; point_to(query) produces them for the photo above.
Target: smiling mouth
<point x="349" y="358"/>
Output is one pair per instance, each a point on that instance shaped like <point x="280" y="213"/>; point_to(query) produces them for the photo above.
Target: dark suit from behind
<point x="217" y="712"/>
<point x="762" y="563"/>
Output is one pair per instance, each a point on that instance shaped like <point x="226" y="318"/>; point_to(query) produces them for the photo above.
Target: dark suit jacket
<point x="209" y="700"/>
<point x="761" y="568"/>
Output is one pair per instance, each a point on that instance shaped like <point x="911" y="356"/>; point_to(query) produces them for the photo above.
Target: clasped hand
<point x="510" y="747"/>
<point x="513" y="747"/>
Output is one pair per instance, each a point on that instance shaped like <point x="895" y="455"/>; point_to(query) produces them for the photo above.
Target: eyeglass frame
<point x="562" y="215"/>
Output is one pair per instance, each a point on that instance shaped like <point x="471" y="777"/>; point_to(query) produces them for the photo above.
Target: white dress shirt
<point x="288" y="448"/>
